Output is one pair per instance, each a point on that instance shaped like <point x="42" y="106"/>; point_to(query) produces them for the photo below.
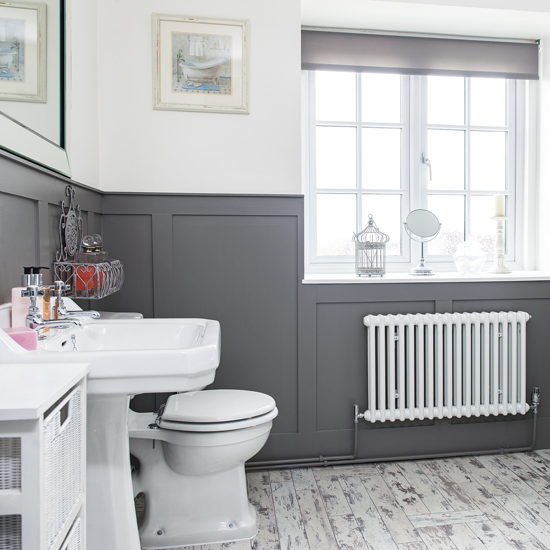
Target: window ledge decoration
<point x="370" y="250"/>
<point x="81" y="262"/>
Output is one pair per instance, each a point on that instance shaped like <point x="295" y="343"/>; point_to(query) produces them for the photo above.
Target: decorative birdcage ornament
<point x="370" y="250"/>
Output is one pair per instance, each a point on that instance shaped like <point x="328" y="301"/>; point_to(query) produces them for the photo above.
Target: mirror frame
<point x="28" y="144"/>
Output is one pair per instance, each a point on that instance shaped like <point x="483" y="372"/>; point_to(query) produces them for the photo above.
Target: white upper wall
<point x="489" y="18"/>
<point x="146" y="150"/>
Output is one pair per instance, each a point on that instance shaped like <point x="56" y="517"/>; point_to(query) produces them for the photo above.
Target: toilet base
<point x="190" y="510"/>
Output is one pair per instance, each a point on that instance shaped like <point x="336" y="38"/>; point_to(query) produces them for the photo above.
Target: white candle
<point x="500" y="205"/>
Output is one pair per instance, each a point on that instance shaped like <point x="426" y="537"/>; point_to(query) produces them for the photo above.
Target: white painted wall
<point x="82" y="92"/>
<point x="144" y="150"/>
<point x="543" y="179"/>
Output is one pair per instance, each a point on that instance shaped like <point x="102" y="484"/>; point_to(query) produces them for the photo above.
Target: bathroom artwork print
<point x="200" y="64"/>
<point x="22" y="52"/>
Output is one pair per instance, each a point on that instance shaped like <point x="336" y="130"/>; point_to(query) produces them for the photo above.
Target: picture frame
<point x="23" y="52"/>
<point x="200" y="64"/>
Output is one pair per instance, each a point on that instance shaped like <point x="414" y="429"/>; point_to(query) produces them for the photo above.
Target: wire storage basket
<point x="370" y="250"/>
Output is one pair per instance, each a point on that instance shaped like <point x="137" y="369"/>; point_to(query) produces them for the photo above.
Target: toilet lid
<point x="214" y="406"/>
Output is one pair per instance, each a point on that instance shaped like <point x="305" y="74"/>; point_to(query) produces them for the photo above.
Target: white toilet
<point x="192" y="466"/>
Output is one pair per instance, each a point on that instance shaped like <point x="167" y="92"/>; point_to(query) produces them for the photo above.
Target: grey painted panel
<point x="129" y="239"/>
<point x="342" y="357"/>
<point x="20" y="179"/>
<point x="18" y="232"/>
<point x="241" y="270"/>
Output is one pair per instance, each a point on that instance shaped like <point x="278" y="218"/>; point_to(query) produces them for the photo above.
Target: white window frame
<point x="415" y="195"/>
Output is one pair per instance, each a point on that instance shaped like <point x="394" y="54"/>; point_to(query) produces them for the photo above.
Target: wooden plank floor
<point x="496" y="502"/>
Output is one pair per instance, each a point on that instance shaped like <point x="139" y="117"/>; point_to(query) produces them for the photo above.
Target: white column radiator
<point x="445" y="365"/>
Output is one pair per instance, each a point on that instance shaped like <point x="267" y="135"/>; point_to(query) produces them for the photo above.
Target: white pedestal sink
<point x="126" y="357"/>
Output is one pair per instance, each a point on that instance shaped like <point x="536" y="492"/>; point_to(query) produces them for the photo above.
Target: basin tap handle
<point x="60" y="287"/>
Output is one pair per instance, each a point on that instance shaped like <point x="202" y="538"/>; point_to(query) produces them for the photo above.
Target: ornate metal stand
<point x="91" y="281"/>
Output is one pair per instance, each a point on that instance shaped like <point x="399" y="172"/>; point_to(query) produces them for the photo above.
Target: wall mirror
<point x="422" y="226"/>
<point x="32" y="82"/>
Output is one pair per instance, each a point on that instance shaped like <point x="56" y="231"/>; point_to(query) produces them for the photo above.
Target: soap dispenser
<point x="20" y="305"/>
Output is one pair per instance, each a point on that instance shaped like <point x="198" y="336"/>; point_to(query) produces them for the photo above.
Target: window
<point x="367" y="135"/>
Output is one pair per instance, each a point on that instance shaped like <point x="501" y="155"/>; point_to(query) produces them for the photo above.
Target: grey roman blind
<point x="365" y="52"/>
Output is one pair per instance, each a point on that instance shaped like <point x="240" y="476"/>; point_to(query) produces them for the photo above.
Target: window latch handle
<point x="426" y="161"/>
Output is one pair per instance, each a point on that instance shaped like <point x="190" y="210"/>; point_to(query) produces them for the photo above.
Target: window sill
<point x="449" y="277"/>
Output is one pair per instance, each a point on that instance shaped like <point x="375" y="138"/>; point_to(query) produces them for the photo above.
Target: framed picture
<point x="22" y="52"/>
<point x="200" y="64"/>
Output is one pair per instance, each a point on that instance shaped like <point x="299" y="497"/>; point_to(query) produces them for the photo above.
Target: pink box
<point x="25" y="337"/>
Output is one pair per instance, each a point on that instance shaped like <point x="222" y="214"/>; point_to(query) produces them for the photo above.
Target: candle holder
<point x="499" y="265"/>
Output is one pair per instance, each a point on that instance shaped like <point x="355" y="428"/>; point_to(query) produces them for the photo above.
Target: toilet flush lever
<point x="426" y="161"/>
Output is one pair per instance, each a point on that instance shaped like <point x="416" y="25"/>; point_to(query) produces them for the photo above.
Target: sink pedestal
<point x="111" y="516"/>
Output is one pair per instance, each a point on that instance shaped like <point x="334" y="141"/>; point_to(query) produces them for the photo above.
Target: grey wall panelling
<point x="239" y="259"/>
<point x="30" y="199"/>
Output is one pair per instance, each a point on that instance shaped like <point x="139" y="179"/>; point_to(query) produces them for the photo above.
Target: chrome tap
<point x="62" y="312"/>
<point x="34" y="318"/>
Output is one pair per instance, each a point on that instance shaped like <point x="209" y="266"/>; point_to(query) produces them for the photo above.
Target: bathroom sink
<point x="132" y="356"/>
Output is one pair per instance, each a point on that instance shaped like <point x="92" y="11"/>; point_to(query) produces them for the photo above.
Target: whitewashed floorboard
<point x="333" y="497"/>
<point x="237" y="545"/>
<point x="530" y="520"/>
<point x="511" y="480"/>
<point x="449" y="489"/>
<point x="510" y="527"/>
<point x="482" y="475"/>
<point x="463" y="537"/>
<point x="491" y="537"/>
<point x="316" y="523"/>
<point x="290" y="524"/>
<point x="280" y="475"/>
<point x="391" y="513"/>
<point x="403" y="491"/>
<point x="537" y="481"/>
<point x="430" y="496"/>
<point x="374" y="530"/>
<point x="535" y="461"/>
<point x="259" y="493"/>
<point x="447" y="518"/>
<point x="412" y="546"/>
<point x="347" y="533"/>
<point x="435" y="538"/>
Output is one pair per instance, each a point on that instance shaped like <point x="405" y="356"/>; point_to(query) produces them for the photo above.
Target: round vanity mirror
<point x="423" y="226"/>
<point x="423" y="223"/>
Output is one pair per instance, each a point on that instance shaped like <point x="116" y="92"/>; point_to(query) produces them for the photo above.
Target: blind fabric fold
<point x="356" y="52"/>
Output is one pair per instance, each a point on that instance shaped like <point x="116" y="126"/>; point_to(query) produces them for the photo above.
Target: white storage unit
<point x="42" y="456"/>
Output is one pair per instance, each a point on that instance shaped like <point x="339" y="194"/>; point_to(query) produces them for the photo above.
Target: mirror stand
<point x="422" y="226"/>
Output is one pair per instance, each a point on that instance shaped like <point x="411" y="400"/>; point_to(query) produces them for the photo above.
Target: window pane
<point x="381" y="158"/>
<point x="445" y="100"/>
<point x="488" y="101"/>
<point x="335" y="225"/>
<point x="446" y="154"/>
<point x="488" y="161"/>
<point x="381" y="97"/>
<point x="386" y="211"/>
<point x="449" y="210"/>
<point x="483" y="229"/>
<point x="335" y="96"/>
<point x="336" y="157"/>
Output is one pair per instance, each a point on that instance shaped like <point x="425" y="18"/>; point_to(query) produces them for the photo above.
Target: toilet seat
<point x="217" y="410"/>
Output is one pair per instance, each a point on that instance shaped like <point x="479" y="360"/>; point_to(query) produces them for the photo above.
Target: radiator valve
<point x="535" y="399"/>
